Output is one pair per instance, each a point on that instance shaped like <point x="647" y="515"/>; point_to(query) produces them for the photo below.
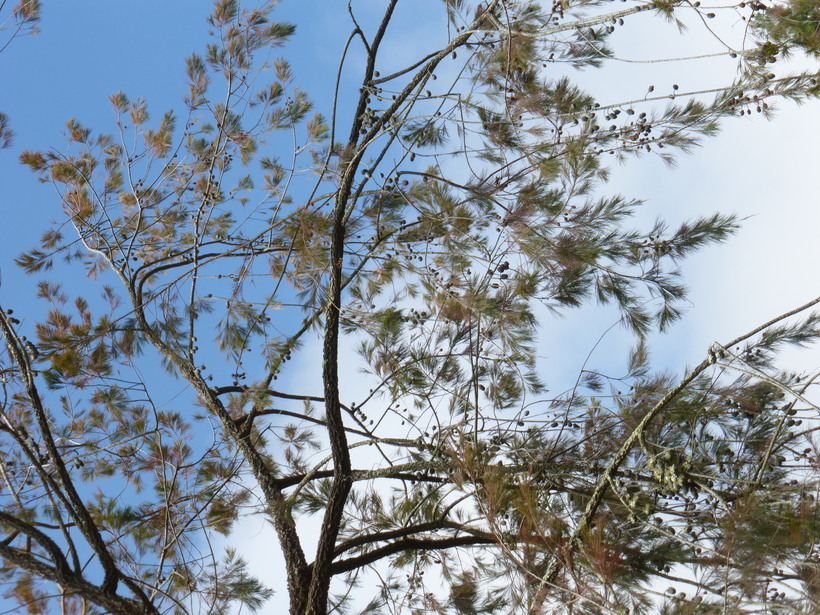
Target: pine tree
<point x="429" y="230"/>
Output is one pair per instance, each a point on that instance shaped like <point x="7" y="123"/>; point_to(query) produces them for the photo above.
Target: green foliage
<point x="791" y="25"/>
<point x="233" y="584"/>
<point x="6" y="133"/>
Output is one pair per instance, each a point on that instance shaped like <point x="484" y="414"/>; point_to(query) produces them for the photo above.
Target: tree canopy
<point x="410" y="233"/>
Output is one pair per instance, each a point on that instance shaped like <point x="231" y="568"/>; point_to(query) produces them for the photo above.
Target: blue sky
<point x="84" y="52"/>
<point x="764" y="171"/>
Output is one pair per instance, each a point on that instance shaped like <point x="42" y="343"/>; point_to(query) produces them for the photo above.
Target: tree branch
<point x="408" y="544"/>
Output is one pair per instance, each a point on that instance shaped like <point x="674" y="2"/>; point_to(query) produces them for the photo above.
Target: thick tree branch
<point x="295" y="561"/>
<point x="419" y="528"/>
<point x="405" y="471"/>
<point x="342" y="481"/>
<point x="73" y="583"/>
<point x="79" y="512"/>
<point x="408" y="544"/>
